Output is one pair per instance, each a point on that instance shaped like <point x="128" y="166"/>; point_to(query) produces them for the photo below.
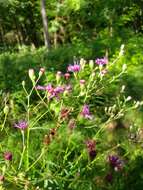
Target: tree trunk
<point x="32" y="29"/>
<point x="18" y="36"/>
<point x="45" y="23"/>
<point x="2" y="36"/>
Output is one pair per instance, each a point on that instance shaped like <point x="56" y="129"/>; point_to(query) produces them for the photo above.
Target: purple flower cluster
<point x="85" y="112"/>
<point x="73" y="68"/>
<point x="48" y="87"/>
<point x="101" y="61"/>
<point x="115" y="162"/>
<point x="90" y="144"/>
<point x="21" y="125"/>
<point x="54" y="91"/>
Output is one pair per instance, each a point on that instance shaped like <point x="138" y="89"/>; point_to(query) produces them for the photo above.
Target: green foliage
<point x="53" y="152"/>
<point x="57" y="149"/>
<point x="68" y="20"/>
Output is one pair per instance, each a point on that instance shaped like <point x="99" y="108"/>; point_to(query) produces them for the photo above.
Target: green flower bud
<point x="58" y="76"/>
<point x="31" y="74"/>
<point x="23" y="83"/>
<point x="82" y="63"/>
<point x="91" y="64"/>
<point x="121" y="50"/>
<point x="6" y="109"/>
<point x="42" y="70"/>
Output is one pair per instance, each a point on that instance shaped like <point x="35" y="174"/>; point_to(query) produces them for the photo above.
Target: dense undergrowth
<point x="76" y="129"/>
<point x="14" y="66"/>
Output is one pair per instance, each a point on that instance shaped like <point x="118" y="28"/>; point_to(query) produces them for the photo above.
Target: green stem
<point x="39" y="157"/>
<point x="28" y="120"/>
<point x="23" y="147"/>
<point x="5" y="117"/>
<point x="39" y="119"/>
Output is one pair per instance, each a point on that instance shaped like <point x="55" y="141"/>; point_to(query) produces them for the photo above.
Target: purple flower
<point x="8" y="156"/>
<point x="21" y="125"/>
<point x="55" y="92"/>
<point x="48" y="87"/>
<point x="92" y="154"/>
<point x="115" y="162"/>
<point x="59" y="89"/>
<point x="90" y="144"/>
<point x="85" y="112"/>
<point x="109" y="177"/>
<point x="73" y="68"/>
<point x="52" y="92"/>
<point x="40" y="87"/>
<point x="101" y="61"/>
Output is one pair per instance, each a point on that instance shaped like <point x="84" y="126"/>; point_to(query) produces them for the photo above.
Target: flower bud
<point x="68" y="89"/>
<point x="123" y="89"/>
<point x="67" y="76"/>
<point x="121" y="50"/>
<point x="6" y="109"/>
<point x="82" y="84"/>
<point x="137" y="104"/>
<point x="31" y="74"/>
<point x="82" y="63"/>
<point x="23" y="83"/>
<point x="1" y="178"/>
<point x="91" y="64"/>
<point x="8" y="156"/>
<point x="103" y="72"/>
<point x="109" y="177"/>
<point x="128" y="98"/>
<point x="41" y="72"/>
<point x="58" y="76"/>
<point x="71" y="124"/>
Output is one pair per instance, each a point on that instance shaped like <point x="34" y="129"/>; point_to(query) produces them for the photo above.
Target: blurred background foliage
<point x="76" y="28"/>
